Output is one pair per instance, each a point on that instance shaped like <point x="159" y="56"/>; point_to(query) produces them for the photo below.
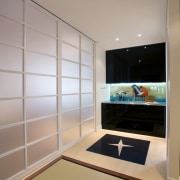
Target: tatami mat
<point x="65" y="170"/>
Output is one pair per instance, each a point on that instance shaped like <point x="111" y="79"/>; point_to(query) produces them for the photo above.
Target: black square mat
<point x="128" y="149"/>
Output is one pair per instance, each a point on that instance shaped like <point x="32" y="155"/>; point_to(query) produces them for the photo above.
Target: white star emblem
<point x="120" y="145"/>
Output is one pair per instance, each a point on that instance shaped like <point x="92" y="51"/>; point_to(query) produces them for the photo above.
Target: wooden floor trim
<point x="91" y="166"/>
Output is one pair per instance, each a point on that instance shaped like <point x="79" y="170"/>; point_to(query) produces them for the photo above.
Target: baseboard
<point x="98" y="127"/>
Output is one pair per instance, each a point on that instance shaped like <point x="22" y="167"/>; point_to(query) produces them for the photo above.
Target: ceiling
<point x="105" y="20"/>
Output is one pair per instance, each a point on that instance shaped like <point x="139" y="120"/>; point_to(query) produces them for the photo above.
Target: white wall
<point x="174" y="87"/>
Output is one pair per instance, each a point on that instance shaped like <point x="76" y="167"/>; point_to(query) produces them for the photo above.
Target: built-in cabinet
<point x="136" y="64"/>
<point x="141" y="119"/>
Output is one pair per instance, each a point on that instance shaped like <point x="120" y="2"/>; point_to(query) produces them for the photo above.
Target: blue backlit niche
<point x="157" y="90"/>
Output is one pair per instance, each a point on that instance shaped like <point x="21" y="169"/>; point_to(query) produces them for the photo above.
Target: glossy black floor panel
<point x="124" y="148"/>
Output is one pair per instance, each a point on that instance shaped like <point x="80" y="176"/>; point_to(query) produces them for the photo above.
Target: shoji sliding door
<point x="87" y="86"/>
<point x="77" y="69"/>
<point x="40" y="84"/>
<point x="70" y="83"/>
<point x="12" y="128"/>
<point x="46" y="90"/>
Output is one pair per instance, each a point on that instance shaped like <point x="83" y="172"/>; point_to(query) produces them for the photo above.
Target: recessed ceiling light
<point x="139" y="35"/>
<point x="117" y="39"/>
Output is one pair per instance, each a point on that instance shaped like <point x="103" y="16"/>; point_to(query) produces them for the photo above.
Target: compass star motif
<point x="120" y="146"/>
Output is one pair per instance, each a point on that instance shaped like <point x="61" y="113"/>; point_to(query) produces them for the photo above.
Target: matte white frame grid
<point x="47" y="87"/>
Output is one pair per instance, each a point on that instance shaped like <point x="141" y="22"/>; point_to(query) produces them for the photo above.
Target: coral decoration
<point x="144" y="90"/>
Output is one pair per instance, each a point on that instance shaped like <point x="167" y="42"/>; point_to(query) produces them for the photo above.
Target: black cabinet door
<point x="140" y="119"/>
<point x="117" y="70"/>
<point x="136" y="64"/>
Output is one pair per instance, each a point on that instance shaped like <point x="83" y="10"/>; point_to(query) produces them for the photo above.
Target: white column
<point x="174" y="84"/>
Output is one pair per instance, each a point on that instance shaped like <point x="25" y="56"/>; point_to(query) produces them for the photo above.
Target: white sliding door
<point x="47" y="87"/>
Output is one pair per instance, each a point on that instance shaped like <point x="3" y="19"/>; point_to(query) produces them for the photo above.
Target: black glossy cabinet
<point x="140" y="119"/>
<point x="136" y="64"/>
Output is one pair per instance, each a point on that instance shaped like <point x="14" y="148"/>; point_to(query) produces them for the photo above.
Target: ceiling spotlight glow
<point x="117" y="39"/>
<point x="139" y="35"/>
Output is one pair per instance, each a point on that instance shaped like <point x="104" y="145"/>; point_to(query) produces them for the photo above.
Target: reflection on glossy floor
<point x="154" y="168"/>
